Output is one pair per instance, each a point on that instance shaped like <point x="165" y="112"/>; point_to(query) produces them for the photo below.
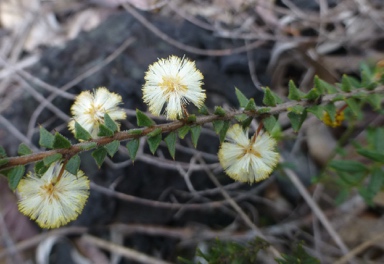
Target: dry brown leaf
<point x="27" y="18"/>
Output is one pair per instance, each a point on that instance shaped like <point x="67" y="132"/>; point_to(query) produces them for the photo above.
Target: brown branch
<point x="173" y="126"/>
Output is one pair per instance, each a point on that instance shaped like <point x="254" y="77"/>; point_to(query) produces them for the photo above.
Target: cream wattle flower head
<point x="55" y="198"/>
<point x="89" y="108"/>
<point x="174" y="81"/>
<point x="248" y="160"/>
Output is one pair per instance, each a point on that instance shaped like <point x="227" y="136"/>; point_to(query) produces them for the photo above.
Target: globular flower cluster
<point x="248" y="160"/>
<point x="174" y="81"/>
<point x="89" y="108"/>
<point x="57" y="197"/>
<point x="54" y="198"/>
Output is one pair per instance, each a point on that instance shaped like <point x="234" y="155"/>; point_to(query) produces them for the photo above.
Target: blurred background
<point x="51" y="50"/>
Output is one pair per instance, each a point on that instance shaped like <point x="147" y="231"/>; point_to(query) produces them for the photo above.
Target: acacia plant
<point x="55" y="192"/>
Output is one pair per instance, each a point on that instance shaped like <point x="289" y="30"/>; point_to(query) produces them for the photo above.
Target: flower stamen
<point x="173" y="82"/>
<point x="248" y="160"/>
<point x="53" y="199"/>
<point x="89" y="109"/>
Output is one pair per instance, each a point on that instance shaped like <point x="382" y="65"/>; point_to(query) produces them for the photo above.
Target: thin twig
<point x="360" y="248"/>
<point x="24" y="63"/>
<point x="76" y="80"/>
<point x="184" y="47"/>
<point x="238" y="209"/>
<point x="16" y="133"/>
<point x="157" y="204"/>
<point x="123" y="251"/>
<point x="316" y="209"/>
<point x="26" y="244"/>
<point x="8" y="241"/>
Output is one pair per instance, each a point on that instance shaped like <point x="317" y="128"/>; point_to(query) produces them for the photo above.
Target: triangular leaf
<point x="241" y="117"/>
<point x="276" y="99"/>
<point x="73" y="164"/>
<point x="195" y="134"/>
<point x="24" y="150"/>
<point x="223" y="131"/>
<point x="312" y="95"/>
<point x="243" y="100"/>
<point x="104" y="131"/>
<point x="375" y="100"/>
<point x="154" y="132"/>
<point x="203" y="110"/>
<point x="218" y="125"/>
<point x="294" y="93"/>
<point x="316" y="110"/>
<point x="60" y="141"/>
<point x="112" y="147"/>
<point x="170" y="140"/>
<point x="143" y="120"/>
<point x="14" y="176"/>
<point x="346" y="86"/>
<point x="81" y="133"/>
<point x="183" y="131"/>
<point x="247" y="122"/>
<point x="191" y="119"/>
<point x="276" y="132"/>
<point x="331" y="110"/>
<point x="46" y="138"/>
<point x="154" y="142"/>
<point x="297" y="109"/>
<point x="40" y="168"/>
<point x="354" y="106"/>
<point x="133" y="146"/>
<point x="3" y="154"/>
<point x="269" y="99"/>
<point x="366" y="81"/>
<point x="52" y="158"/>
<point x="366" y="68"/>
<point x="110" y="123"/>
<point x="338" y="97"/>
<point x="251" y="106"/>
<point x="323" y="86"/>
<point x="99" y="156"/>
<point x="269" y="123"/>
<point x="219" y="111"/>
<point x="366" y="75"/>
<point x="3" y="161"/>
<point x="297" y="120"/>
